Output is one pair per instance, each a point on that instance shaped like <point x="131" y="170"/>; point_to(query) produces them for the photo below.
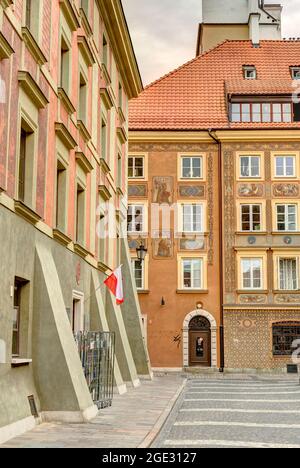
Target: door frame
<point x="213" y="331"/>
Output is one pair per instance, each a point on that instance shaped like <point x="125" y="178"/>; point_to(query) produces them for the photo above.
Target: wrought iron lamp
<point x="141" y="252"/>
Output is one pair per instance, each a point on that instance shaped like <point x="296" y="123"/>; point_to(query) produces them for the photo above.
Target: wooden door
<point x="200" y="348"/>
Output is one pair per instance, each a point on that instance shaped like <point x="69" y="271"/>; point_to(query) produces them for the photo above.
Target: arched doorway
<point x="199" y="342"/>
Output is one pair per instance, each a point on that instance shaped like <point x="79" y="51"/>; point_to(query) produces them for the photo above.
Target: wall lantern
<point x="141" y="252"/>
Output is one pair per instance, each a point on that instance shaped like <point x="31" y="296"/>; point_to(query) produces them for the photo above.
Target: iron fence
<point x="97" y="354"/>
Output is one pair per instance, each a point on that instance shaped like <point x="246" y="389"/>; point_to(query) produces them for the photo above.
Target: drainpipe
<point x="220" y="171"/>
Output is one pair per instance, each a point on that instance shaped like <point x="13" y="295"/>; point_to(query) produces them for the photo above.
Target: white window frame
<point x="250" y="157"/>
<point x="252" y="73"/>
<point x="252" y="260"/>
<point x="191" y="158"/>
<point x="286" y="216"/>
<point x="296" y="259"/>
<point x="192" y="261"/>
<point x="134" y="157"/>
<point x="285" y="157"/>
<point x="78" y="324"/>
<point x="295" y="71"/>
<point x="133" y="262"/>
<point x="251" y="205"/>
<point x="135" y="206"/>
<point x="202" y="226"/>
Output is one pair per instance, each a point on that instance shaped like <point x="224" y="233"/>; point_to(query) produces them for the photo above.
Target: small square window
<point x="295" y="72"/>
<point x="250" y="73"/>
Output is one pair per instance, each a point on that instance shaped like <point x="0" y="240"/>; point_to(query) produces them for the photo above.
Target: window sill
<point x="63" y="96"/>
<point x="252" y="291"/>
<point x="33" y="46"/>
<point x="285" y="233"/>
<point x="192" y="291"/>
<point x="143" y="291"/>
<point x="17" y="362"/>
<point x="104" y="166"/>
<point x="83" y="131"/>
<point x="81" y="251"/>
<point x="60" y="236"/>
<point x="287" y="291"/>
<point x="26" y="212"/>
<point x="251" y="233"/>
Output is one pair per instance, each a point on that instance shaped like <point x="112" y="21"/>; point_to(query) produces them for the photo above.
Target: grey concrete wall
<point x="55" y="378"/>
<point x="132" y="317"/>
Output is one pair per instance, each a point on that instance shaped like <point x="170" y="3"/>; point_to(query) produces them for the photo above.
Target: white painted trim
<point x="71" y="417"/>
<point x="121" y="389"/>
<point x="16" y="429"/>
<point x="213" y="324"/>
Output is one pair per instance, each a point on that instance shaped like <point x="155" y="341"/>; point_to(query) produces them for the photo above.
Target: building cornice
<point x="117" y="29"/>
<point x="225" y="136"/>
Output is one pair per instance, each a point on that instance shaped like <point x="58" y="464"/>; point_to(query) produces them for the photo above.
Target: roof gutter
<point x="213" y="136"/>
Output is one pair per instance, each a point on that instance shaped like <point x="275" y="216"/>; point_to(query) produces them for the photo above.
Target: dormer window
<point x="250" y="73"/>
<point x="295" y="72"/>
<point x="247" y="111"/>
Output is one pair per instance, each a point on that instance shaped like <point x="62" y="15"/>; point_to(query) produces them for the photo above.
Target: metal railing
<point x="97" y="354"/>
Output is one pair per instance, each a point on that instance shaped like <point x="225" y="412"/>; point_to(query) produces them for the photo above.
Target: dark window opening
<point x="285" y="336"/>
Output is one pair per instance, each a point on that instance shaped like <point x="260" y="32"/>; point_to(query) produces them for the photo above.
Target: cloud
<point x="164" y="35"/>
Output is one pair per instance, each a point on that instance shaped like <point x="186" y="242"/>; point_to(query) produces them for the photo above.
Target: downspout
<point x="220" y="173"/>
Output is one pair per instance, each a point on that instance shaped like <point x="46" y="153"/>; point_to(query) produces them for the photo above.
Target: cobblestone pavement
<point x="233" y="413"/>
<point x="134" y="417"/>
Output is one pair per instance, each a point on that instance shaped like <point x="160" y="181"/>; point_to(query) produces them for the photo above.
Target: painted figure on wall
<point x="163" y="190"/>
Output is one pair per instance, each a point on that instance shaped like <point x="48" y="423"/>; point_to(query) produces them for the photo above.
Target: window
<point x="120" y="93"/>
<point x="285" y="166"/>
<point x="138" y="273"/>
<point x="120" y="172"/>
<point x="61" y="196"/>
<point x="135" y="221"/>
<point x="105" y="52"/>
<point x="85" y="7"/>
<point x="18" y="315"/>
<point x="104" y="139"/>
<point x="32" y="9"/>
<point x="65" y="66"/>
<point x="285" y="335"/>
<point x="26" y="164"/>
<point x="192" y="218"/>
<point x="250" y="167"/>
<point x="83" y="93"/>
<point x="251" y="217"/>
<point x="288" y="274"/>
<point x="192" y="270"/>
<point x="136" y="168"/>
<point x="287" y="217"/>
<point x="80" y="215"/>
<point x="77" y="316"/>
<point x="295" y="72"/>
<point x="250" y="73"/>
<point x="252" y="273"/>
<point x="257" y="112"/>
<point x="191" y="167"/>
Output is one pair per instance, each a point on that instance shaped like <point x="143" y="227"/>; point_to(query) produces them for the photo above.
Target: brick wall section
<point x="248" y="338"/>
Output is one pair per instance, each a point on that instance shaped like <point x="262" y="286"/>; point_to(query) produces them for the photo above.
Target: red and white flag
<point x="115" y="284"/>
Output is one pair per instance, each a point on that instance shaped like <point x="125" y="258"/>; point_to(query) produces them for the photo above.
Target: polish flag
<point x="115" y="284"/>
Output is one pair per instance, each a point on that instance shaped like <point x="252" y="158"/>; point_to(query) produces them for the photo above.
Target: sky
<point x="164" y="35"/>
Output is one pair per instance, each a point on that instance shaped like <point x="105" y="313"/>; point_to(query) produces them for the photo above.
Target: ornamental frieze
<point x="250" y="190"/>
<point x="210" y="207"/>
<point x="137" y="190"/>
<point x="288" y="299"/>
<point x="229" y="217"/>
<point x="176" y="147"/>
<point x="192" y="191"/>
<point x="286" y="190"/>
<point x="253" y="299"/>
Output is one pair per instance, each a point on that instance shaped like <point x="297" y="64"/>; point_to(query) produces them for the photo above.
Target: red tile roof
<point x="194" y="96"/>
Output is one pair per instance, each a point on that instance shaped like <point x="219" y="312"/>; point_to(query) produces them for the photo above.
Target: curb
<point x="152" y="435"/>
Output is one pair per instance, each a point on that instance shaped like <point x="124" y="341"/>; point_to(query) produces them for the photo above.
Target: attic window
<point x="250" y="73"/>
<point x="295" y="72"/>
